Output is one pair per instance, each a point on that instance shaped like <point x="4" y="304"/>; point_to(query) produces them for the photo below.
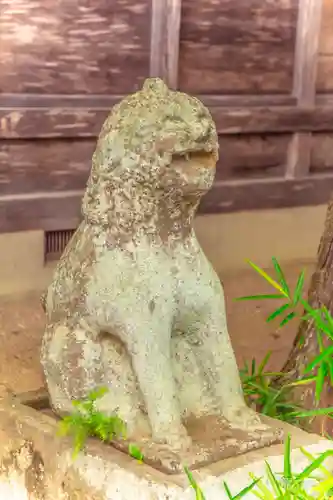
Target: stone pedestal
<point x="36" y="464"/>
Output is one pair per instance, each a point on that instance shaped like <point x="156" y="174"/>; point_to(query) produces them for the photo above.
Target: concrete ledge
<point x="228" y="240"/>
<point x="36" y="464"/>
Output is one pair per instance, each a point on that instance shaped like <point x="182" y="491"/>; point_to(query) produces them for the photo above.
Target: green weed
<point x="86" y="421"/>
<point x="286" y="485"/>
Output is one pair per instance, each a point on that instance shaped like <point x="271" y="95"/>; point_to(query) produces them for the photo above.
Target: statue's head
<point x="156" y="141"/>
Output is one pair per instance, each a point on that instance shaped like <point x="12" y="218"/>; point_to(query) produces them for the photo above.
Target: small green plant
<point x="87" y="421"/>
<point x="322" y="365"/>
<point x="286" y="485"/>
<point x="261" y="394"/>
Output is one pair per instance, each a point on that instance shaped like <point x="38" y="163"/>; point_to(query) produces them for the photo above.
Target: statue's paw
<point x="176" y="437"/>
<point x="245" y="418"/>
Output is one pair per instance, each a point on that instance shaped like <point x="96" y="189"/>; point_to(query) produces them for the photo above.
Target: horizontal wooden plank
<point x="30" y="123"/>
<point x="33" y="123"/>
<point x="46" y="211"/>
<point x="274" y="193"/>
<point x="237" y="47"/>
<point x="107" y="101"/>
<point x="90" y="100"/>
<point x="27" y="166"/>
<point x="74" y="47"/>
<point x="252" y="156"/>
<point x="51" y="211"/>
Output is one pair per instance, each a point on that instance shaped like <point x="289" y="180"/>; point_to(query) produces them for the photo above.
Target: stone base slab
<point x="35" y="464"/>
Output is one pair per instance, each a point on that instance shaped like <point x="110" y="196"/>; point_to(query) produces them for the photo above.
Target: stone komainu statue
<point x="134" y="304"/>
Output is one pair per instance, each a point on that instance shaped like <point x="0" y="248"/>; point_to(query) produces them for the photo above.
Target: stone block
<point x="36" y="464"/>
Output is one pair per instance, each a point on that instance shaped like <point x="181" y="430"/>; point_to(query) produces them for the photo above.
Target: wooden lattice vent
<point x="55" y="243"/>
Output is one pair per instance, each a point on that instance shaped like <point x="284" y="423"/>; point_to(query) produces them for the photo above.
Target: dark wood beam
<point x="107" y="101"/>
<point x="274" y="193"/>
<point x="39" y="123"/>
<point x="52" y="211"/>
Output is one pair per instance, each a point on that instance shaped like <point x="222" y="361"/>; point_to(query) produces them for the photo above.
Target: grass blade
<point x="227" y="490"/>
<point x="314" y="465"/>
<point x="287" y="473"/>
<point x="198" y="491"/>
<point x="246" y="490"/>
<point x="264" y="362"/>
<point x="272" y="479"/>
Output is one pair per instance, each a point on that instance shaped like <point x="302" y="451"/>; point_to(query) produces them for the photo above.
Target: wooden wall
<point x="264" y="68"/>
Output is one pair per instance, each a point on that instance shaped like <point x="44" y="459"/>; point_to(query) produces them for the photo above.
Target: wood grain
<point x="45" y="211"/>
<point x="69" y="47"/>
<point x="29" y="166"/>
<point x="51" y="211"/>
<point x="304" y="86"/>
<point x="322" y="152"/>
<point x="251" y="156"/>
<point x="305" y="75"/>
<point x="306" y="54"/>
<point x="237" y="47"/>
<point x="234" y="196"/>
<point x="325" y="61"/>
<point x="32" y="123"/>
<point x="44" y="165"/>
<point x="164" y="42"/>
<point x="157" y="67"/>
<point x="108" y="100"/>
<point x="173" y="41"/>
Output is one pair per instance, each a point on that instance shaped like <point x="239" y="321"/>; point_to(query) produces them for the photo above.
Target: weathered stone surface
<point x="134" y="304"/>
<point x="35" y="464"/>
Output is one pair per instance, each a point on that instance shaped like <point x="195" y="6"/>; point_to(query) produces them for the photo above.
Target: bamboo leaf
<point x="326" y="353"/>
<point x="277" y="312"/>
<point x="268" y="278"/>
<point x="281" y="277"/>
<point x="314" y="413"/>
<point x="261" y="297"/>
<point x="299" y="288"/>
<point x="320" y="380"/>
<point x="289" y="317"/>
<point x="314" y="465"/>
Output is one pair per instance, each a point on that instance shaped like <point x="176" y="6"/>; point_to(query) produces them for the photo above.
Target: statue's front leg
<point x="218" y="361"/>
<point x="149" y="345"/>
